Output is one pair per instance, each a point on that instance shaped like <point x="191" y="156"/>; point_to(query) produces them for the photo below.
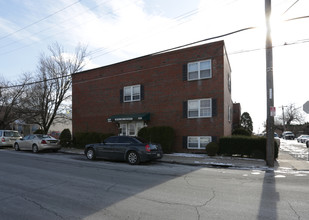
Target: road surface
<point x="61" y="186"/>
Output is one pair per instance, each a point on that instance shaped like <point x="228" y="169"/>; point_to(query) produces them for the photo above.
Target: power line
<point x="149" y="55"/>
<point x="72" y="27"/>
<point x="182" y="16"/>
<point x="43" y="30"/>
<point x="38" y="21"/>
<point x="290" y="7"/>
<point x="189" y="44"/>
<point x="240" y="30"/>
<point x="297" y="18"/>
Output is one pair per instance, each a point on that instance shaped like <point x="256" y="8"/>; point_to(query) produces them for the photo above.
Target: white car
<point x="37" y="142"/>
<point x="8" y="137"/>
<point x="302" y="138"/>
<point x="288" y="135"/>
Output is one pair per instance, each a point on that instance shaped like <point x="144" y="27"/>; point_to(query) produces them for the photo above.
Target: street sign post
<point x="272" y="111"/>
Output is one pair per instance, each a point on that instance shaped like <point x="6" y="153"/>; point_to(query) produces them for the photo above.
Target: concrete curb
<point x="285" y="161"/>
<point x="205" y="161"/>
<point x="217" y="162"/>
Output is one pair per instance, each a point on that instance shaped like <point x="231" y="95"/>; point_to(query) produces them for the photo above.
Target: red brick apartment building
<point x="187" y="89"/>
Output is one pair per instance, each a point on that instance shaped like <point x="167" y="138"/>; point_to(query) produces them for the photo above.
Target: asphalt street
<point x="67" y="186"/>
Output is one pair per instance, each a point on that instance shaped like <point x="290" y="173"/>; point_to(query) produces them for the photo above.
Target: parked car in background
<point x="299" y="137"/>
<point x="302" y="138"/>
<point x="288" y="135"/>
<point x="8" y="137"/>
<point x="277" y="139"/>
<point x="124" y="148"/>
<point x="36" y="143"/>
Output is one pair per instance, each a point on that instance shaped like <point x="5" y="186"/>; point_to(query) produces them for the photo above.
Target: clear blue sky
<point x="117" y="30"/>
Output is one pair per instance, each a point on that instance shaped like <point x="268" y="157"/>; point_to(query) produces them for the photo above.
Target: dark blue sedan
<point x="134" y="150"/>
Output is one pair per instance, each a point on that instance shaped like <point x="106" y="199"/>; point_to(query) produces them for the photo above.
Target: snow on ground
<point x="297" y="150"/>
<point x="188" y="155"/>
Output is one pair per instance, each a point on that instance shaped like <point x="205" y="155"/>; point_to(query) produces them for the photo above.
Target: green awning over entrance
<point x="130" y="117"/>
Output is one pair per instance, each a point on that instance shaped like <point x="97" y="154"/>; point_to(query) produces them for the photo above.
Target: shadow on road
<point x="269" y="197"/>
<point x="58" y="188"/>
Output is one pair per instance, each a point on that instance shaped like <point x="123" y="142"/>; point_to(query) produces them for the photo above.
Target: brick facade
<point x="164" y="90"/>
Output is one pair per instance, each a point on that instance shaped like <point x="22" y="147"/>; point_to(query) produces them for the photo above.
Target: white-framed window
<point x="132" y="93"/>
<point x="131" y="129"/>
<point x="199" y="70"/>
<point x="198" y="142"/>
<point x="199" y="108"/>
<point x="123" y="129"/>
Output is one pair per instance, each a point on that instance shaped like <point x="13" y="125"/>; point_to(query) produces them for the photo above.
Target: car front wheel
<point x="90" y="154"/>
<point x="16" y="147"/>
<point x="133" y="158"/>
<point x="35" y="149"/>
<point x="307" y="143"/>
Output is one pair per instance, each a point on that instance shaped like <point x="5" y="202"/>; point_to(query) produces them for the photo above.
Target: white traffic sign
<point x="306" y="107"/>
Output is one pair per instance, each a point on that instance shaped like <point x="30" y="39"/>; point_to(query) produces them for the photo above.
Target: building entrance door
<point x="130" y="128"/>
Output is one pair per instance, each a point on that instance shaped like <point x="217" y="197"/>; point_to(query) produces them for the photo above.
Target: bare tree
<point x="45" y="98"/>
<point x="10" y="94"/>
<point x="291" y="114"/>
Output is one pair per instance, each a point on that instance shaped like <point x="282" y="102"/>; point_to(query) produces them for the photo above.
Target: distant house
<point x="24" y="128"/>
<point x="55" y="129"/>
<point x="187" y="89"/>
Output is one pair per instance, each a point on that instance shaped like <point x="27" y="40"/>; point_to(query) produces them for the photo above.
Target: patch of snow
<point x="298" y="150"/>
<point x="280" y="176"/>
<point x="187" y="155"/>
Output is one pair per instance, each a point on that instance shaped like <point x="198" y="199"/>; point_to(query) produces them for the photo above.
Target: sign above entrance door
<point x="130" y="117"/>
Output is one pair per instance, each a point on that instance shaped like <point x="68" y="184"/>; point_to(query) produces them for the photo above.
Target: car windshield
<point x="15" y="134"/>
<point x="11" y="134"/>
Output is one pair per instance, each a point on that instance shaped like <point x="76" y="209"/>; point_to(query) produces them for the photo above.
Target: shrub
<point x="163" y="135"/>
<point x="65" y="138"/>
<point x="212" y="149"/>
<point x="241" y="131"/>
<point x="145" y="133"/>
<point x="82" y="138"/>
<point x="250" y="146"/>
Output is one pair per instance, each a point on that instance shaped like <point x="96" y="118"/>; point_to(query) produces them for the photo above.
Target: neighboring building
<point x="24" y="128"/>
<point x="188" y="89"/>
<point x="236" y="115"/>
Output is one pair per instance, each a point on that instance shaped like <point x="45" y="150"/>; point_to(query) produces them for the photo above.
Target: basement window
<point x="198" y="142"/>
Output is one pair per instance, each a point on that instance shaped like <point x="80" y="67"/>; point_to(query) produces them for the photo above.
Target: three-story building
<point x="187" y="89"/>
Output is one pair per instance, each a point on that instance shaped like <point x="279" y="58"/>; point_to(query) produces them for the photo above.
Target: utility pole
<point x="270" y="90"/>
<point x="283" y="118"/>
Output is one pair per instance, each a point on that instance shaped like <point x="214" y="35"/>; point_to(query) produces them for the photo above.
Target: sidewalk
<point x="285" y="161"/>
